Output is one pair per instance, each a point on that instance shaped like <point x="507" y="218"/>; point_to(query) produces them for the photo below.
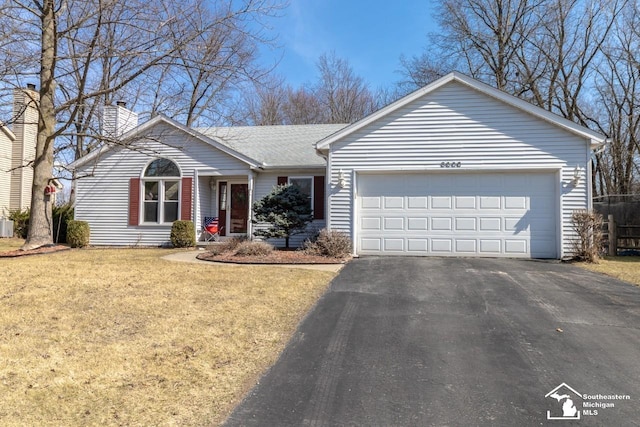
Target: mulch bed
<point x="47" y="249"/>
<point x="276" y="257"/>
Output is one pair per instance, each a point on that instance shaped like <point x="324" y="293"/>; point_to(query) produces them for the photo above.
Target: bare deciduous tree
<point x="618" y="89"/>
<point x="303" y="107"/>
<point x="337" y="96"/>
<point x="420" y="70"/>
<point x="572" y="57"/>
<point x="85" y="52"/>
<point x="486" y="35"/>
<point x="344" y="95"/>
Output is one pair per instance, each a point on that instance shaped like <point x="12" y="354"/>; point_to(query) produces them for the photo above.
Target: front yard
<point x="122" y="337"/>
<point x="625" y="268"/>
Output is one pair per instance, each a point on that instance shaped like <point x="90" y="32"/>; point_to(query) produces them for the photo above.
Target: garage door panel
<point x="465" y="245"/>
<point x="441" y="245"/>
<point x="490" y="224"/>
<point x="418" y="245"/>
<point x="490" y="246"/>
<point x="371" y="245"/>
<point x="503" y="214"/>
<point x="515" y="202"/>
<point x="441" y="224"/>
<point x="465" y="202"/>
<point x="417" y="202"/>
<point x="394" y="223"/>
<point x="466" y="224"/>
<point x="515" y="225"/>
<point x="394" y="245"/>
<point x="417" y="224"/>
<point x="371" y="223"/>
<point x="515" y="247"/>
<point x="490" y="202"/>
<point x="441" y="202"/>
<point x="371" y="203"/>
<point x="394" y="202"/>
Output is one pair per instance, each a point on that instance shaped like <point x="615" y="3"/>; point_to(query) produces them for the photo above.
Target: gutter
<point x="279" y="167"/>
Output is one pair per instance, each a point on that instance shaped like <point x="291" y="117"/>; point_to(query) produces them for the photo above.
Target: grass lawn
<point x="10" y="244"/>
<point x="625" y="268"/>
<point x="122" y="337"/>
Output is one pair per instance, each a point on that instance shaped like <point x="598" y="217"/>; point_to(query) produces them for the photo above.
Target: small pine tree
<point x="286" y="210"/>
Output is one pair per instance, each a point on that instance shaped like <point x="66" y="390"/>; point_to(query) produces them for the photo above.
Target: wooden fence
<point x="620" y="237"/>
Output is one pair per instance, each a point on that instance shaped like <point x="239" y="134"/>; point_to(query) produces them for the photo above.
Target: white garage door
<point x="458" y="214"/>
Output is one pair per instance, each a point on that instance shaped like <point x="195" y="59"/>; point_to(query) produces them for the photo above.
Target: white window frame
<point x="311" y="196"/>
<point x="161" y="180"/>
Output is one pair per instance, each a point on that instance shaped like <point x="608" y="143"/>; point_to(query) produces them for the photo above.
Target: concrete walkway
<point x="190" y="256"/>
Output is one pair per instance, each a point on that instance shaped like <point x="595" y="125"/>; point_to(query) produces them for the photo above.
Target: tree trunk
<point x="40" y="223"/>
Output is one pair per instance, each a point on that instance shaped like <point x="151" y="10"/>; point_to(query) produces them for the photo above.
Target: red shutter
<point x="185" y="199"/>
<point x="283" y="180"/>
<point x="318" y="197"/>
<point x="134" y="201"/>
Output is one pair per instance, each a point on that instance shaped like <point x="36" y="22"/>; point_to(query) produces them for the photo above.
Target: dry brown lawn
<point x="625" y="268"/>
<point x="122" y="337"/>
<point x="10" y="244"/>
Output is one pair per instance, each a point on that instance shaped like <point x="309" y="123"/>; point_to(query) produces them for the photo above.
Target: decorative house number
<point x="450" y="164"/>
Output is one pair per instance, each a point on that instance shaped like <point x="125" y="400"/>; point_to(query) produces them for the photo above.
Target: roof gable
<point x="145" y="128"/>
<point x="595" y="138"/>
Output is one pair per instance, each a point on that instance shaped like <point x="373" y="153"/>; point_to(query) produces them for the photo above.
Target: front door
<point x="239" y="209"/>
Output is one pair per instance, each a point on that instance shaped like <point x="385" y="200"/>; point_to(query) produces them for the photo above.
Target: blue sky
<point x="370" y="34"/>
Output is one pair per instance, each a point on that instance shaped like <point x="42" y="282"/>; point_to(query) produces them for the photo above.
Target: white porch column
<point x="196" y="204"/>
<point x="250" y="180"/>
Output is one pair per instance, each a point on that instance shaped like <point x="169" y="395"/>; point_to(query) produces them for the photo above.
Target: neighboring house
<point x="456" y="168"/>
<point x="17" y="152"/>
<point x="6" y="148"/>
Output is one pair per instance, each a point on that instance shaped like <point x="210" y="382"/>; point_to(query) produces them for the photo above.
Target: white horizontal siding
<point x="205" y="206"/>
<point x="102" y="199"/>
<point x="457" y="124"/>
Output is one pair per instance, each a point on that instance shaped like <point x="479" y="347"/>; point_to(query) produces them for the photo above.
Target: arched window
<point x="161" y="197"/>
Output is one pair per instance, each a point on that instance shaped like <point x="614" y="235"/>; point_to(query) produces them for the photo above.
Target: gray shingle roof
<point x="275" y="146"/>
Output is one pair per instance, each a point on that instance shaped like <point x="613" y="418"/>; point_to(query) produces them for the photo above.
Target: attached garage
<point x="459" y="168"/>
<point x="509" y="214"/>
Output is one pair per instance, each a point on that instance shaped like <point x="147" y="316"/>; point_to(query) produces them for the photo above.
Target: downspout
<point x="590" y="161"/>
<point x="327" y="190"/>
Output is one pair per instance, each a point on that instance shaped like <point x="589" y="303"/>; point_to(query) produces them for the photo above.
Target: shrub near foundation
<point x="183" y="234"/>
<point x="329" y="243"/>
<point x="587" y="244"/>
<point x="253" y="248"/>
<point x="78" y="234"/>
<point x="20" y="222"/>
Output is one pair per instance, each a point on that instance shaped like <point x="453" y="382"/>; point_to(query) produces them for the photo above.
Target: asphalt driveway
<point x="458" y="342"/>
